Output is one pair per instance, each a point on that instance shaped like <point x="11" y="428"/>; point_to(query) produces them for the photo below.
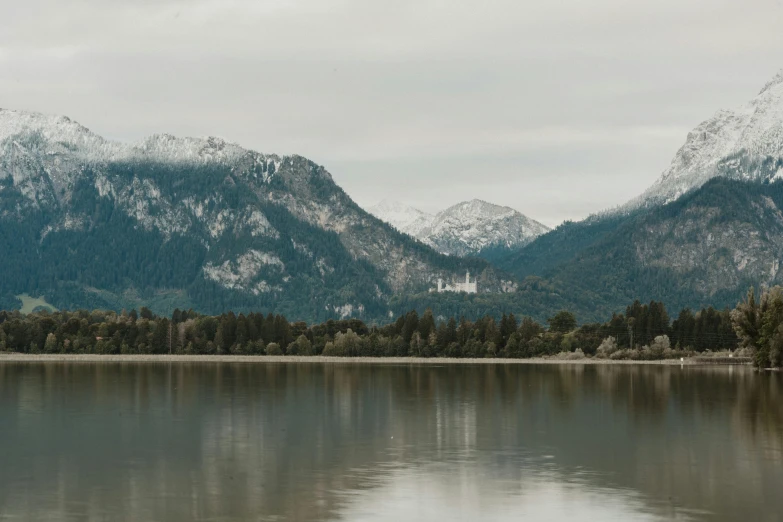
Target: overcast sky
<point x="558" y="108"/>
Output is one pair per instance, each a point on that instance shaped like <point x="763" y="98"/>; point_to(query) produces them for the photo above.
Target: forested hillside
<point x="703" y="249"/>
<point x="190" y="223"/>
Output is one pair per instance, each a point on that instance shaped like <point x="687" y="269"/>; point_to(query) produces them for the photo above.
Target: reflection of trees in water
<point x="692" y="434"/>
<point x="227" y="440"/>
<point x="759" y="412"/>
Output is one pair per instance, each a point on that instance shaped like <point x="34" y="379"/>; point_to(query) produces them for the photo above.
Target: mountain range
<point x="207" y="224"/>
<point x="463" y="229"/>
<point x="199" y="223"/>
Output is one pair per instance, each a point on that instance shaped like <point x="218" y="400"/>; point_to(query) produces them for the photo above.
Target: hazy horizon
<point x="557" y="109"/>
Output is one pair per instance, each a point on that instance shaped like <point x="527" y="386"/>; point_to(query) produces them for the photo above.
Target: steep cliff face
<point x="723" y="237"/>
<point x="211" y="223"/>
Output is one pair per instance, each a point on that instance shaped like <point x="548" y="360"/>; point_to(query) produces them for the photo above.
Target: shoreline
<point x="318" y="359"/>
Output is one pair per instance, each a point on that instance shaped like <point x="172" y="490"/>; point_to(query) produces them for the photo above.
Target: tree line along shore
<point x="644" y="332"/>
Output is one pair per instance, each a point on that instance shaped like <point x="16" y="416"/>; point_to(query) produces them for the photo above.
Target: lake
<point x="355" y="442"/>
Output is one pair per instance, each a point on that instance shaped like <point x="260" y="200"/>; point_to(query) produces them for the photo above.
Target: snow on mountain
<point x="468" y="227"/>
<point x="463" y="229"/>
<point x="402" y="217"/>
<point x="232" y="212"/>
<point x="43" y="151"/>
<point x="745" y="144"/>
<point x="56" y="128"/>
<point x="63" y="136"/>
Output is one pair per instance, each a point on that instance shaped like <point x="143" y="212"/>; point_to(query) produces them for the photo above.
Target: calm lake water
<point x="279" y="442"/>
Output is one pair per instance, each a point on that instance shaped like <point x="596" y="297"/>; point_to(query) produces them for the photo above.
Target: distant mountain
<point x="469" y="227"/>
<point x="199" y="223"/>
<point x="744" y="144"/>
<point x="402" y="217"/>
<point x="464" y="229"/>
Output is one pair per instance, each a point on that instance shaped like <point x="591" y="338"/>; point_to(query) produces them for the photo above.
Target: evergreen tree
<point x="562" y="322"/>
<point x="426" y="324"/>
<point x="410" y="326"/>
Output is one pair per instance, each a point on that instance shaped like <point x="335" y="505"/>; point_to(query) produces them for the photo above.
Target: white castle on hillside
<point x="467" y="286"/>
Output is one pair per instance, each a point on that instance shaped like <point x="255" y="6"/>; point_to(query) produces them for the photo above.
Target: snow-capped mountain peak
<point x="477" y="208"/>
<point x="745" y="143"/>
<point x="59" y="129"/>
<point x="402" y="217"/>
<point x="462" y="229"/>
<point x="471" y="226"/>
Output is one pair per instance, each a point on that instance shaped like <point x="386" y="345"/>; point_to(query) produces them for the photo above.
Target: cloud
<point x="593" y="98"/>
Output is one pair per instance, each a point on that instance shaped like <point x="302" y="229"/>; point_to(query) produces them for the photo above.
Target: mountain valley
<point x="207" y="224"/>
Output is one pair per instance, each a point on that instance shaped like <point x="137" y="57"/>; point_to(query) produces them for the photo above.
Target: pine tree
<point x="219" y="340"/>
<point x="410" y="326"/>
<point x="426" y="324"/>
<point x="451" y="330"/>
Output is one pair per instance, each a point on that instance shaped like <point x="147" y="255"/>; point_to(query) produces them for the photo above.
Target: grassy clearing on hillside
<point x="162" y="302"/>
<point x="31" y="303"/>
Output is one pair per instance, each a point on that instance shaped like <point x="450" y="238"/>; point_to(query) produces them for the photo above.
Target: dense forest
<point x="644" y="331"/>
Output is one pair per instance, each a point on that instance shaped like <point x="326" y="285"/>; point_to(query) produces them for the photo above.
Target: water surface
<point x="291" y="442"/>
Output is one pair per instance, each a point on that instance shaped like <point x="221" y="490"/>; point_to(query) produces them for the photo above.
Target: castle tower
<point x="467" y="277"/>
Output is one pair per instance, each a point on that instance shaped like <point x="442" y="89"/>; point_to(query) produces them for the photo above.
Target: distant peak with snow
<point x="479" y="208"/>
<point x="462" y="229"/>
<point x="402" y="217"/>
<point x="745" y="143"/>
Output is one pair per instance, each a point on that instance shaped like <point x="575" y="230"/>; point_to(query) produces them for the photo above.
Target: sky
<point x="558" y="108"/>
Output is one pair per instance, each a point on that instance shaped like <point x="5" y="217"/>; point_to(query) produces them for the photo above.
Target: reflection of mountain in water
<point x="312" y="442"/>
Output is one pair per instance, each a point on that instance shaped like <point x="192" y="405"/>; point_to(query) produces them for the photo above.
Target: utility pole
<point x="170" y="335"/>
